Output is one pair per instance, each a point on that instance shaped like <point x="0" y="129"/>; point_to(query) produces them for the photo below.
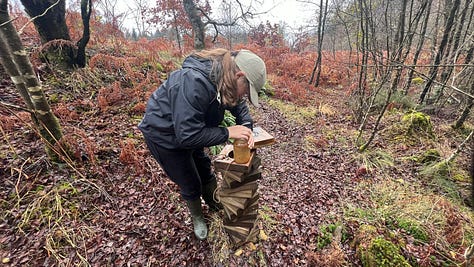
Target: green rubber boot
<point x="208" y="194"/>
<point x="200" y="227"/>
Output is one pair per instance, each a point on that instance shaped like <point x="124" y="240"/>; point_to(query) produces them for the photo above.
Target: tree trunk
<point x="420" y="44"/>
<point x="86" y="11"/>
<point x="441" y="50"/>
<point x="467" y="110"/>
<point x="46" y="122"/>
<point x="198" y="26"/>
<point x="50" y="22"/>
<point x="176" y="28"/>
<point x="321" y="27"/>
<point x="465" y="113"/>
<point x="363" y="48"/>
<point x="456" y="39"/>
<point x="398" y="42"/>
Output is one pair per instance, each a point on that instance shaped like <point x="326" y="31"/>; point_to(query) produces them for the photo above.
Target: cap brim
<point x="253" y="95"/>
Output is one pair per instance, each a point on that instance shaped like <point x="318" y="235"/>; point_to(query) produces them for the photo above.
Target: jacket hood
<point x="201" y="65"/>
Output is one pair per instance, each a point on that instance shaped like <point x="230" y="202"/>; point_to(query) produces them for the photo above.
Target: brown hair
<point x="222" y="73"/>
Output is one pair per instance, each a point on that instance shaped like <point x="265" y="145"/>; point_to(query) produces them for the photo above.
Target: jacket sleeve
<point x="189" y="103"/>
<point x="242" y="115"/>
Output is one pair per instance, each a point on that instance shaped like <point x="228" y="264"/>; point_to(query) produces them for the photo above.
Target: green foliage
<point x="267" y="90"/>
<point x="397" y="209"/>
<point x="413" y="228"/>
<point x="438" y="174"/>
<point x="294" y="113"/>
<point x="417" y="81"/>
<point x="375" y="159"/>
<point x="428" y="157"/>
<point x="397" y="100"/>
<point x="382" y="252"/>
<point x="229" y="120"/>
<point x="327" y="232"/>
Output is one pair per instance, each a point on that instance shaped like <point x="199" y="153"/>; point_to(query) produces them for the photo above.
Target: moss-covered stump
<point x="417" y="123"/>
<point x="373" y="250"/>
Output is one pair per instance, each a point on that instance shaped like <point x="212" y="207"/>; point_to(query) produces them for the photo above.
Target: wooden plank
<point x="262" y="138"/>
<point x="240" y="203"/>
<point x="242" y="223"/>
<point x="224" y="161"/>
<point x="253" y="176"/>
<point x="231" y="210"/>
<point x="238" y="231"/>
<point x="252" y="186"/>
<point x="235" y="240"/>
<point x="234" y="175"/>
<point x="252" y="236"/>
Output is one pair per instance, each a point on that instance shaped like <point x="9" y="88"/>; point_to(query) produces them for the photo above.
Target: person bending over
<point x="182" y="117"/>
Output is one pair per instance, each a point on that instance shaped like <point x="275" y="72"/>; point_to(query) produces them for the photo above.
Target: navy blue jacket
<point x="184" y="113"/>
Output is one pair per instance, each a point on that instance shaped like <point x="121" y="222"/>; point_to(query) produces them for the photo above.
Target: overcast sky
<point x="292" y="12"/>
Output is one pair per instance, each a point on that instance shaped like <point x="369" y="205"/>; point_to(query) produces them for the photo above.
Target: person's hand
<point x="239" y="131"/>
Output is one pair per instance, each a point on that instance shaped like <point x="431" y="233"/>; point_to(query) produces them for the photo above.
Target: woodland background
<point x="370" y="104"/>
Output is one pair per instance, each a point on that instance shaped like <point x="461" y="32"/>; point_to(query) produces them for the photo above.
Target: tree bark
<point x="456" y="39"/>
<point x="46" y="122"/>
<point x="50" y="22"/>
<point x="421" y="41"/>
<point x="198" y="26"/>
<point x="321" y="27"/>
<point x="398" y="42"/>
<point x="441" y="50"/>
<point x="86" y="11"/>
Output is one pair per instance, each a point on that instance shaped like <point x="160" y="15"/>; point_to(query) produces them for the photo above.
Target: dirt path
<point x="141" y="220"/>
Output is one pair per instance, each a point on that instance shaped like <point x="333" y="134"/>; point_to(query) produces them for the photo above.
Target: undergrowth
<point x="429" y="223"/>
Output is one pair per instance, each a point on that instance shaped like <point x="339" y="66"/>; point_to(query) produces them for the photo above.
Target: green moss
<point x="461" y="177"/>
<point x="54" y="98"/>
<point x="267" y="89"/>
<point x="417" y="123"/>
<point x="437" y="169"/>
<point x="413" y="228"/>
<point x="381" y="252"/>
<point x="294" y="113"/>
<point x="327" y="232"/>
<point x="417" y="80"/>
<point x="432" y="155"/>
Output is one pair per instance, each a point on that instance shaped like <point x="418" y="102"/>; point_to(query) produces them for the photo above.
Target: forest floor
<point x="115" y="207"/>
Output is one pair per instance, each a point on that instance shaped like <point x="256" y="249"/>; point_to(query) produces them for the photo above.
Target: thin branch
<point x="460" y="147"/>
<point x="15" y="106"/>
<point x="411" y="67"/>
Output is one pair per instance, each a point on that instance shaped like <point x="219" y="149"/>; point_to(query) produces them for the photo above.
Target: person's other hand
<point x="239" y="131"/>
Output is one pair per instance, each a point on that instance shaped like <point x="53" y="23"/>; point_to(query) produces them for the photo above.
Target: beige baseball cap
<point x="255" y="72"/>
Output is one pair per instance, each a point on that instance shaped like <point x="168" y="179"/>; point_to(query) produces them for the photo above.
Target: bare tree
<point x="441" y="49"/>
<point x="140" y="15"/>
<point x="200" y="19"/>
<point x="194" y="17"/>
<point x="14" y="59"/>
<point x="49" y="18"/>
<point x="425" y="7"/>
<point x="470" y="81"/>
<point x="323" y="11"/>
<point x="111" y="13"/>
